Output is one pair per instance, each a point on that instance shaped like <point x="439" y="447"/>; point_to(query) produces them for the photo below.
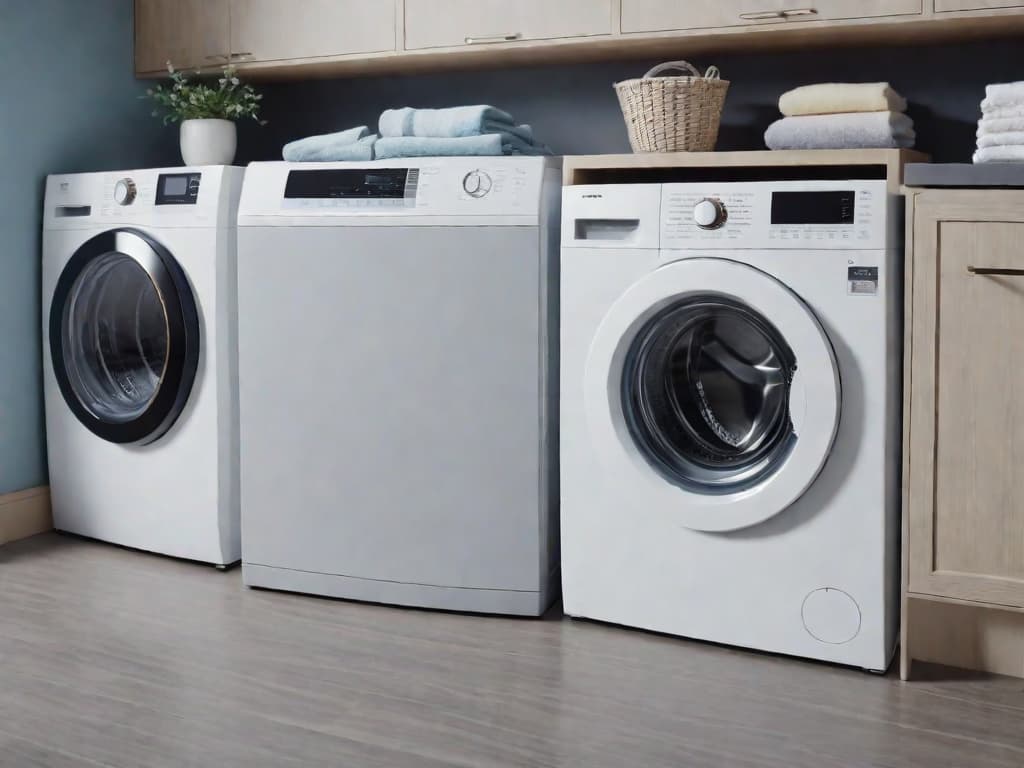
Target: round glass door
<point x="124" y="337"/>
<point x="712" y="394"/>
<point x="706" y="394"/>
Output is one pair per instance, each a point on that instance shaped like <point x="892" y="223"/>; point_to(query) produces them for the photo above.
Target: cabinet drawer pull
<point x="240" y="55"/>
<point x="795" y="12"/>
<point x="995" y="271"/>
<point x="757" y="15"/>
<point x="216" y="56"/>
<point x="489" y="39"/>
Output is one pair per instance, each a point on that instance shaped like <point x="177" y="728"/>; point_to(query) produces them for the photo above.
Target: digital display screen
<point x="348" y="184"/>
<point x="177" y="188"/>
<point x="813" y="207"/>
<point x="175" y="185"/>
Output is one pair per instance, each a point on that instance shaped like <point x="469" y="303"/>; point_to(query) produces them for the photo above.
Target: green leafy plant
<point x="227" y="98"/>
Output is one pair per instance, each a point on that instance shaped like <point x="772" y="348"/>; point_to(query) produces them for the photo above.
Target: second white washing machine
<point x="398" y="374"/>
<point x="730" y="413"/>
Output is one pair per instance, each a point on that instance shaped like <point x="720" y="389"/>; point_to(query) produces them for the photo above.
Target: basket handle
<point x="712" y="73"/>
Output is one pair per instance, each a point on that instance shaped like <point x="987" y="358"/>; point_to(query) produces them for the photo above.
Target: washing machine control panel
<point x="449" y="187"/>
<point x="781" y="214"/>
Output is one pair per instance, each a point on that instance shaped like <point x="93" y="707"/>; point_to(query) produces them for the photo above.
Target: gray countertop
<point x="964" y="175"/>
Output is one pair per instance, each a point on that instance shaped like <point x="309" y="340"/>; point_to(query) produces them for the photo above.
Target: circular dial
<point x="124" y="191"/>
<point x="477" y="183"/>
<point x="709" y="213"/>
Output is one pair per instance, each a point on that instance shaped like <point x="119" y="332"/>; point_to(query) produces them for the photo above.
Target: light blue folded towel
<point x="450" y="123"/>
<point x="488" y="144"/>
<point x="352" y="144"/>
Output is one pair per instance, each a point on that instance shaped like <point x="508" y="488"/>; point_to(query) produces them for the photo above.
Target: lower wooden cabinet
<point x="946" y="6"/>
<point x="964" y="451"/>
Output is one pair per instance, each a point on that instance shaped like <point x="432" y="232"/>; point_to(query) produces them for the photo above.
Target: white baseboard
<point x="25" y="513"/>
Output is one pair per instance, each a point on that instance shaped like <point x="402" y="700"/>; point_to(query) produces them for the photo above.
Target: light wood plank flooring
<point x="116" y="658"/>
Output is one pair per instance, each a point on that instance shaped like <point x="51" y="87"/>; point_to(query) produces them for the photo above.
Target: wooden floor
<point x="115" y="658"/>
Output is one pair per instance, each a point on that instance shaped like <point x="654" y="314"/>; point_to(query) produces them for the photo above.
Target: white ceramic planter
<point x="208" y="142"/>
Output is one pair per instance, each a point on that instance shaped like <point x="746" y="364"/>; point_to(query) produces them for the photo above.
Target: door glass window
<point x="706" y="394"/>
<point x="115" y="338"/>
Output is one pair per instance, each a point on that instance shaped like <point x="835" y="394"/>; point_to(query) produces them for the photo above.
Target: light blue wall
<point x="68" y="102"/>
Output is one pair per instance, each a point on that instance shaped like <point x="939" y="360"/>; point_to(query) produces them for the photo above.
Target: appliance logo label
<point x="862" y="281"/>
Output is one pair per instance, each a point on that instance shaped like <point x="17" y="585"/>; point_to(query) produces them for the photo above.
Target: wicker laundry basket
<point x="673" y="114"/>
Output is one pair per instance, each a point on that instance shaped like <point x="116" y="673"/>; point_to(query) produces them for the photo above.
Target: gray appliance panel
<point x="392" y="383"/>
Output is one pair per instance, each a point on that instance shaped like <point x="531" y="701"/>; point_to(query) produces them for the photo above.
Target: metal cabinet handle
<point x="489" y="39"/>
<point x="215" y="56"/>
<point x="757" y="15"/>
<point x="799" y="12"/>
<point x="995" y="271"/>
<point x="240" y="55"/>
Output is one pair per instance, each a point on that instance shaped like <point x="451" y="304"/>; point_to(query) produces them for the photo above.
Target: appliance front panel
<point x="390" y="387"/>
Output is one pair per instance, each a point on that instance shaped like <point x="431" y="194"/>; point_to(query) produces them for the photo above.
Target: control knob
<point x="709" y="213"/>
<point x="124" y="192"/>
<point x="477" y="183"/>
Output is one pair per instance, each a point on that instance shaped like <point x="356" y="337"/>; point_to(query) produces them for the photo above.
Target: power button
<point x="477" y="183"/>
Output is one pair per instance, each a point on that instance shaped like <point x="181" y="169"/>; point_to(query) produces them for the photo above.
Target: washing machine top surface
<point x="789" y="215"/>
<point x="150" y="198"/>
<point x="417" y="191"/>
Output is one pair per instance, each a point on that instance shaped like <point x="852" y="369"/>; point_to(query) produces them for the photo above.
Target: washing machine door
<point x="124" y="336"/>
<point x="713" y="391"/>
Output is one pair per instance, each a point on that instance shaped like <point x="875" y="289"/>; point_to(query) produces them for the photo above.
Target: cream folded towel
<point x="853" y="130"/>
<point x="1003" y="95"/>
<point x="1000" y="125"/>
<point x="1004" y="139"/>
<point x="999" y="155"/>
<point x="832" y="98"/>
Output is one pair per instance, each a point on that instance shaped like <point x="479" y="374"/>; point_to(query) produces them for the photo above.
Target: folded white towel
<point x="1004" y="95"/>
<point x="999" y="113"/>
<point x="853" y="130"/>
<point x="1004" y="139"/>
<point x="834" y="98"/>
<point x="999" y="155"/>
<point x="1000" y="125"/>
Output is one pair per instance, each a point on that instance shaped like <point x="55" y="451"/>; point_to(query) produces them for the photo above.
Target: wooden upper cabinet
<point x="665" y="15"/>
<point x="188" y="33"/>
<point x="966" y="441"/>
<point x="448" y="23"/>
<point x="269" y="30"/>
<point x="945" y="6"/>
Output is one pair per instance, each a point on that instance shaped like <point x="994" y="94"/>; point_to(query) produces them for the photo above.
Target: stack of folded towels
<point x="841" y="116"/>
<point x="1001" y="127"/>
<point x="407" y="132"/>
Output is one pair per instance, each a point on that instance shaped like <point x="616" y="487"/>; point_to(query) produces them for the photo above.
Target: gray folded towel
<point x="851" y="130"/>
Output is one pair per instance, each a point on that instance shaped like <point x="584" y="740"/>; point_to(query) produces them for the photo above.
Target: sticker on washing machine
<point x="862" y="281"/>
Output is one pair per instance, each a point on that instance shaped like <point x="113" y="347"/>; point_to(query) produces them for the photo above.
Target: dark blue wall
<point x="574" y="109"/>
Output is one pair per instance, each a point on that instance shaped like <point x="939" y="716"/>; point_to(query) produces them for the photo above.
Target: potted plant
<point x="207" y="113"/>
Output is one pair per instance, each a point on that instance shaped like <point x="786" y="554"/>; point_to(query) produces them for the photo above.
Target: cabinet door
<point x="966" y="451"/>
<point x="188" y="33"/>
<point x="445" y="23"/>
<point x="663" y="15"/>
<point x="943" y="6"/>
<point x="268" y="30"/>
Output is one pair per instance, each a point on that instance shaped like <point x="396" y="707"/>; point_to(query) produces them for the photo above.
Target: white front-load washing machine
<point x="139" y="358"/>
<point x="730" y="413"/>
<point x="398" y="374"/>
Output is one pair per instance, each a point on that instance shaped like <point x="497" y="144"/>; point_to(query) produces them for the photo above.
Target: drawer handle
<point x="216" y="56"/>
<point x="795" y="12"/>
<point x="757" y="15"/>
<point x="240" y="55"/>
<point x="490" y="39"/>
<point x="995" y="271"/>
